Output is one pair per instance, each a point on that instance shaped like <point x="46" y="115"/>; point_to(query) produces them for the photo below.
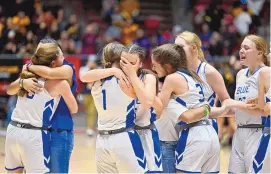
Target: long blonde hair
<point x="193" y="39"/>
<point x="44" y="55"/>
<point x="261" y="45"/>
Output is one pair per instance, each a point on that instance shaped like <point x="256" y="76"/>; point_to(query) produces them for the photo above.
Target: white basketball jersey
<point x="194" y="97"/>
<point x="246" y="88"/>
<point x="209" y="94"/>
<point x="37" y="109"/>
<point x="166" y="124"/>
<point x="115" y="109"/>
<point x="144" y="117"/>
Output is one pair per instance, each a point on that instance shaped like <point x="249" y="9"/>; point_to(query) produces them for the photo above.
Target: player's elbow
<point x="74" y="109"/>
<point x="10" y="91"/>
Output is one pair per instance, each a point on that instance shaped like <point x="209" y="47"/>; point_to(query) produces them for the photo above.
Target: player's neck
<point x="254" y="68"/>
<point x="193" y="63"/>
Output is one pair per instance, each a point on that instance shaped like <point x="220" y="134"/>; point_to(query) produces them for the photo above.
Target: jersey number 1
<point x="104" y="99"/>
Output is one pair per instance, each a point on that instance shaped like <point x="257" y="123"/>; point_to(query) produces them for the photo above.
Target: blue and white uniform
<point x="198" y="146"/>
<point x="169" y="134"/>
<point x="62" y="136"/>
<point x="148" y="135"/>
<point x="261" y="160"/>
<point x="245" y="140"/>
<point x="209" y="94"/>
<point x="29" y="148"/>
<point x="120" y="152"/>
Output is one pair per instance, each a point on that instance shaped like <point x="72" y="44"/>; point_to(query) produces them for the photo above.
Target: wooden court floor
<point x="83" y="160"/>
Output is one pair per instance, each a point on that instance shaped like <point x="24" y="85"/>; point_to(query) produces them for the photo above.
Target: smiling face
<point x="249" y="55"/>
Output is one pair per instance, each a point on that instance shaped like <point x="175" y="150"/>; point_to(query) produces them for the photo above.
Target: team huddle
<point x="149" y="121"/>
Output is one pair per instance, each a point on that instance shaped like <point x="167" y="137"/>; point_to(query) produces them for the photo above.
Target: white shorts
<point x="261" y="160"/>
<point x="151" y="146"/>
<point x="244" y="146"/>
<point x="28" y="149"/>
<point x="198" y="150"/>
<point x="120" y="153"/>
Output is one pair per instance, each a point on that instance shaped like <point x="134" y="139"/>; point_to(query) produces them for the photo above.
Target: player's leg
<point x="104" y="161"/>
<point x="237" y="163"/>
<point x="60" y="151"/>
<point x="151" y="145"/>
<point x="129" y="154"/>
<point x="192" y="149"/>
<point x="13" y="163"/>
<point x="212" y="165"/>
<point x="36" y="151"/>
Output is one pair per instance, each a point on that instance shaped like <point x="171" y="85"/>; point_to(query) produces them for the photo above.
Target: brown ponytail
<point x="44" y="55"/>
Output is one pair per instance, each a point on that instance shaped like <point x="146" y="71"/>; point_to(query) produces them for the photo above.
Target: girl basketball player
<point x="198" y="146"/>
<point x="261" y="160"/>
<point x="118" y="146"/>
<point x="248" y="133"/>
<point x="27" y="141"/>
<point x="61" y="144"/>
<point x="214" y="81"/>
<point x="145" y="85"/>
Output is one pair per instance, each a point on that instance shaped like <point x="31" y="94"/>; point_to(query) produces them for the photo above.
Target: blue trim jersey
<point x="209" y="93"/>
<point x="62" y="117"/>
<point x="194" y="97"/>
<point x="115" y="109"/>
<point x="37" y="109"/>
<point x="267" y="99"/>
<point x="246" y="88"/>
<point x="144" y="117"/>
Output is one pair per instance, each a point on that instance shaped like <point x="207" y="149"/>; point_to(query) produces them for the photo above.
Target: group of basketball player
<point x="148" y="122"/>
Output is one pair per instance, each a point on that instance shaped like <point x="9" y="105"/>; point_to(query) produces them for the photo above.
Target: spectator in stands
<point x="129" y="31"/>
<point x="89" y="39"/>
<point x="214" y="14"/>
<point x="54" y="32"/>
<point x="90" y="109"/>
<point x="158" y="38"/>
<point x="242" y="22"/>
<point x="216" y="45"/>
<point x="21" y="21"/>
<point x="205" y="37"/>
<point x="228" y="37"/>
<point x="64" y="41"/>
<point x="129" y="8"/>
<point x="60" y="19"/>
<point x="142" y="40"/>
<point x="73" y="28"/>
<point x="113" y="32"/>
<point x="71" y="47"/>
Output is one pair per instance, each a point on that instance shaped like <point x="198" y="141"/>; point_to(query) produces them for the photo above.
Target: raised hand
<point x="127" y="67"/>
<point x="31" y="85"/>
<point x="123" y="79"/>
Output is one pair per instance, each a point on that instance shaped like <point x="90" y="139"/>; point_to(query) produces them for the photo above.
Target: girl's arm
<point x="63" y="89"/>
<point x="216" y="81"/>
<point x="31" y="85"/>
<point x="98" y="74"/>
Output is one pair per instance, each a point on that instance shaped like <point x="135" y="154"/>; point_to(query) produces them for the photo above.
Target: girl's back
<point x="38" y="109"/>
